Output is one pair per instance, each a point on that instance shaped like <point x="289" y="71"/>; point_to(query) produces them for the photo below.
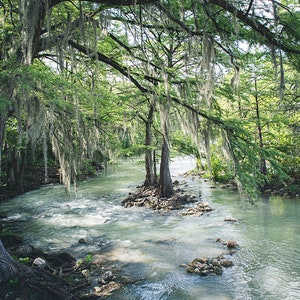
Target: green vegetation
<point x="85" y="82"/>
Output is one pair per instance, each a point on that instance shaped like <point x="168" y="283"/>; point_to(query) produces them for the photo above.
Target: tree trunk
<point x="263" y="164"/>
<point x="151" y="177"/>
<point x="165" y="181"/>
<point x="9" y="268"/>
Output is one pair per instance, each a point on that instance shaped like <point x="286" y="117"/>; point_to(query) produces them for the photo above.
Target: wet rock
<point x="190" y="269"/>
<point x="103" y="291"/>
<point x="208" y="266"/>
<point x="82" y="241"/>
<point x="218" y="271"/>
<point x="232" y="244"/>
<point x="229" y="219"/>
<point x="215" y="262"/>
<point x="226" y="263"/>
<point x="198" y="210"/>
<point x="205" y="272"/>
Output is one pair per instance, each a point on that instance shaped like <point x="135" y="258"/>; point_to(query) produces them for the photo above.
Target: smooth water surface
<point x="152" y="245"/>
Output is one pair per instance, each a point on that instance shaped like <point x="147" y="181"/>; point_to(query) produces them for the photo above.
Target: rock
<point x="194" y="262"/>
<point x="190" y="269"/>
<point x="197" y="210"/>
<point x="230" y="219"/>
<point x="82" y="241"/>
<point x="218" y="271"/>
<point x="232" y="244"/>
<point x="108" y="288"/>
<point x="205" y="272"/>
<point x="218" y="240"/>
<point x="86" y="273"/>
<point x="226" y="263"/>
<point x="24" y="251"/>
<point x="215" y="262"/>
<point x="39" y="262"/>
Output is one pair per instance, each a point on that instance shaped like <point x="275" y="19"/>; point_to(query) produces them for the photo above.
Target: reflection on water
<point x="153" y="245"/>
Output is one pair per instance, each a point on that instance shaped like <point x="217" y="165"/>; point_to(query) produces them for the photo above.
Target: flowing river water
<point x="152" y="245"/>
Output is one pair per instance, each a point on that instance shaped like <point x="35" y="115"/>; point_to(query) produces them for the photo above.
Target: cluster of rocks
<point x="197" y="210"/>
<point x="212" y="266"/>
<point x="209" y="266"/>
<point x="103" y="286"/>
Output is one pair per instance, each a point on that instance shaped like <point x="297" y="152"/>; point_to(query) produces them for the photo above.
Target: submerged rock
<point x="229" y="219"/>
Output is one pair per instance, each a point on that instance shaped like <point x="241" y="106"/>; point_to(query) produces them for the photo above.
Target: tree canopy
<point x="84" y="81"/>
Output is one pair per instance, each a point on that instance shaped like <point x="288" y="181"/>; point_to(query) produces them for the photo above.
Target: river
<point x="152" y="245"/>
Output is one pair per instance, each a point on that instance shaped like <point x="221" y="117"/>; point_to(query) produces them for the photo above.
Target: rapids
<point x="152" y="245"/>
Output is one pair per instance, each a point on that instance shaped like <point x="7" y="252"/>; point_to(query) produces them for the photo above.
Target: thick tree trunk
<point x="9" y="268"/>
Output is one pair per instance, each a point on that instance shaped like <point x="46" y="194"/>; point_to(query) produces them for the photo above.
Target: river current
<point x="151" y="245"/>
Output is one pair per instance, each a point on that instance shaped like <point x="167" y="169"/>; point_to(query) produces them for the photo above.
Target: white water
<point x="152" y="245"/>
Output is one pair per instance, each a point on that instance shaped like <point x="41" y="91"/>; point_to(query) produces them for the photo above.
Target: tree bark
<point x="165" y="181"/>
<point x="9" y="268"/>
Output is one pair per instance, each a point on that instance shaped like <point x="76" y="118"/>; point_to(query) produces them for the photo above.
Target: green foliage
<point x="24" y="260"/>
<point x="219" y="169"/>
<point x="77" y="104"/>
<point x="184" y="144"/>
<point x="88" y="259"/>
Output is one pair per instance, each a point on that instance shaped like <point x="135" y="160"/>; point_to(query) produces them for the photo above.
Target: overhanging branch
<point x="255" y="25"/>
<point x="105" y="59"/>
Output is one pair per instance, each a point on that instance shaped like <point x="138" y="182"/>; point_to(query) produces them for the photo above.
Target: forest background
<point x="85" y="82"/>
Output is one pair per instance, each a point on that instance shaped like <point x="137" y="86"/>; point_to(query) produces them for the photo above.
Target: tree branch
<point x="255" y="25"/>
<point x="101" y="57"/>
